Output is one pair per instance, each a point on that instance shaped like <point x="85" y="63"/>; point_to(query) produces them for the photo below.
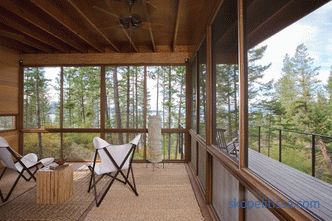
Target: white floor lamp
<point x="155" y="154"/>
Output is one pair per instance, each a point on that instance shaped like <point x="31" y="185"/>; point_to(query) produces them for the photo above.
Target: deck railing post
<point x="313" y="154"/>
<point x="280" y="143"/>
<point x="259" y="139"/>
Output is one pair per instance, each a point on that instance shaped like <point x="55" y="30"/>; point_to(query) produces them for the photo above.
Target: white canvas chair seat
<point x="31" y="159"/>
<point x="114" y="160"/>
<point x="119" y="153"/>
<point x="26" y="165"/>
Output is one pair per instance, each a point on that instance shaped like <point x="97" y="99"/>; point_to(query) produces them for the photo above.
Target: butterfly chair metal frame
<point x="31" y="171"/>
<point x="93" y="181"/>
<point x="222" y="144"/>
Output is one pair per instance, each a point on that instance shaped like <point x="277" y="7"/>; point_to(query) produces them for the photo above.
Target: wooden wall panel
<point x="225" y="187"/>
<point x="12" y="138"/>
<point x="193" y="153"/>
<point x="257" y="214"/>
<point x="202" y="165"/>
<point x="9" y="69"/>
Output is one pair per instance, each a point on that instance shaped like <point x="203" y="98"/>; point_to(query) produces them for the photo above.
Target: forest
<point x="298" y="104"/>
<point x="129" y="102"/>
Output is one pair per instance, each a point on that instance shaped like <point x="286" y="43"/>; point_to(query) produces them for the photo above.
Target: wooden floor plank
<point x="293" y="183"/>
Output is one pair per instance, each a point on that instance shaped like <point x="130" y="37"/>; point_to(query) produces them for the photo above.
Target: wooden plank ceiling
<point x="83" y="26"/>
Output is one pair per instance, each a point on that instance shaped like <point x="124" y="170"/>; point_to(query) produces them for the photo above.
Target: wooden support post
<point x="259" y="139"/>
<point x="313" y="155"/>
<point x="209" y="126"/>
<point x="145" y="108"/>
<point x="61" y="113"/>
<point x="102" y="101"/>
<point x="20" y="116"/>
<point x="280" y="145"/>
<point x="242" y="198"/>
<point x="243" y="67"/>
<point x="189" y="95"/>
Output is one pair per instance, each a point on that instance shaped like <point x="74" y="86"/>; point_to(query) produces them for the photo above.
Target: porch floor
<point x="293" y="183"/>
<point x="164" y="194"/>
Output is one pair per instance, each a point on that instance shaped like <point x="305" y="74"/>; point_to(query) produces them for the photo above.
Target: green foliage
<point x="297" y="102"/>
<point x="125" y="103"/>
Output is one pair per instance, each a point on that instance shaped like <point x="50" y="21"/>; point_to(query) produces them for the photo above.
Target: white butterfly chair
<point x="26" y="165"/>
<point x="114" y="159"/>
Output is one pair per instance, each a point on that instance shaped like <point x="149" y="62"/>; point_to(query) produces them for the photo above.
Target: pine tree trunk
<point x="163" y="105"/>
<point x="128" y="101"/>
<point x="169" y="110"/>
<point x="326" y="156"/>
<point x="136" y="99"/>
<point x="108" y="123"/>
<point x="40" y="148"/>
<point x="179" y="120"/>
<point x="83" y="107"/>
<point x="235" y="98"/>
<point x="117" y="103"/>
<point x="26" y="106"/>
<point x="229" y="114"/>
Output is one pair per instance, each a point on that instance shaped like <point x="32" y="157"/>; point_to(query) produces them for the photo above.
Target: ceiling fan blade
<point x="11" y="35"/>
<point x="105" y="11"/>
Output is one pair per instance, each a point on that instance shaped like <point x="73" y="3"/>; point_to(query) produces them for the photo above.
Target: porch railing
<point x="313" y="138"/>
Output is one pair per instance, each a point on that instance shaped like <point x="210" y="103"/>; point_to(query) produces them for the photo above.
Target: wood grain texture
<point x="105" y="58"/>
<point x="54" y="186"/>
<point x="12" y="138"/>
<point x="9" y="67"/>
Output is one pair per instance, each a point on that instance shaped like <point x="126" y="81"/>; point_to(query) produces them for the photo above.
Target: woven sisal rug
<point x="164" y="194"/>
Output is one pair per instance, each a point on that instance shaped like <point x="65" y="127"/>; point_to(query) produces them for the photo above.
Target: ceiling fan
<point x="131" y="21"/>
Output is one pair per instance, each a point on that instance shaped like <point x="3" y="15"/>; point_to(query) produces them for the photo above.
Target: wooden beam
<point x="57" y="14"/>
<point x="61" y="112"/>
<point x="20" y="116"/>
<point x="177" y="22"/>
<point x="22" y="26"/>
<point x="23" y="10"/>
<point x="280" y="19"/>
<point x="14" y="35"/>
<point x="92" y="24"/>
<point x="103" y="101"/>
<point x="13" y="44"/>
<point x="189" y="113"/>
<point x="243" y="70"/>
<point x="123" y="29"/>
<point x="105" y="58"/>
<point x="145" y="106"/>
<point x="146" y="12"/>
<point x="209" y="126"/>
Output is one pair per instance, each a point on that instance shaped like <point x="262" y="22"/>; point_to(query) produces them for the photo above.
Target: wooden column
<point x="145" y="101"/>
<point x="61" y="113"/>
<point x="20" y="116"/>
<point x="243" y="68"/>
<point x="242" y="196"/>
<point x="102" y="101"/>
<point x="189" y="94"/>
<point x="209" y="116"/>
<point x="197" y="111"/>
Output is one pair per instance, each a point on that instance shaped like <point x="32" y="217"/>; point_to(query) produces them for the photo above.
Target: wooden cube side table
<point x="54" y="186"/>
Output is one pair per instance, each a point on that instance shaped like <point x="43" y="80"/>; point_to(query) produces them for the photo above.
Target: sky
<point x="314" y="30"/>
